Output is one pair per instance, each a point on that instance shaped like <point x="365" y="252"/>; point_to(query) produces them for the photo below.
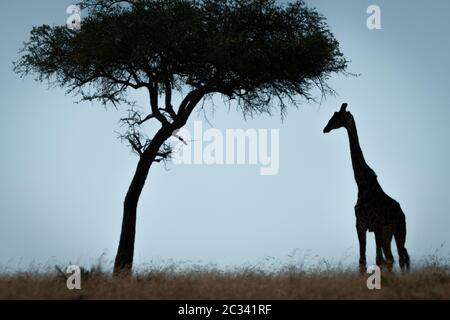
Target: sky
<point x="64" y="173"/>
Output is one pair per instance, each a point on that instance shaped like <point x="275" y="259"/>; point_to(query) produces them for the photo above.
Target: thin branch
<point x="168" y="96"/>
<point x="153" y="92"/>
<point x="150" y="116"/>
<point x="135" y="146"/>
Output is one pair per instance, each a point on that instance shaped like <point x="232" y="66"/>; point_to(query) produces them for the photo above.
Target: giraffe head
<point x="339" y="119"/>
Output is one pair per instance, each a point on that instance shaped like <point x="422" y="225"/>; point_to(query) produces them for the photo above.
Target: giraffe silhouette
<point x="375" y="211"/>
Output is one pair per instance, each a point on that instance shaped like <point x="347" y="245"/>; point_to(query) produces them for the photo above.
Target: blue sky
<point x="64" y="173"/>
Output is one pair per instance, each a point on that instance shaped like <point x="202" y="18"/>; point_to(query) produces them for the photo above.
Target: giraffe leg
<point x="400" y="238"/>
<point x="361" y="230"/>
<point x="386" y="243"/>
<point x="379" y="244"/>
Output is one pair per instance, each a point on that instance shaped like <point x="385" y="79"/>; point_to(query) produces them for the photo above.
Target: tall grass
<point x="429" y="279"/>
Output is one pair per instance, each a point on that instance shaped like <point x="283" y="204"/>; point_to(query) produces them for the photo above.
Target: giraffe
<point x="375" y="211"/>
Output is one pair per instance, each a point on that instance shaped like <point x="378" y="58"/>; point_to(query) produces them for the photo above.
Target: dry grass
<point x="430" y="281"/>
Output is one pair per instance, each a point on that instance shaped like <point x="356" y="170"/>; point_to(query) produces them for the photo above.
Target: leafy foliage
<point x="256" y="51"/>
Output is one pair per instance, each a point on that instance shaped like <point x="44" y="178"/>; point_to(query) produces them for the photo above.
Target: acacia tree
<point x="260" y="54"/>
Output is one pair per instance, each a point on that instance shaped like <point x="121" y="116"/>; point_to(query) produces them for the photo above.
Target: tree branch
<point x="188" y="104"/>
<point x="168" y="96"/>
<point x="135" y="146"/>
<point x="153" y="92"/>
<point x="162" y="156"/>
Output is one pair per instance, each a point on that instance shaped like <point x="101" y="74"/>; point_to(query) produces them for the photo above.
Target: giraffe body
<point x="375" y="211"/>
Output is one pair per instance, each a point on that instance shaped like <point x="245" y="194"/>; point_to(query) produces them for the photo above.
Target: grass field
<point x="430" y="280"/>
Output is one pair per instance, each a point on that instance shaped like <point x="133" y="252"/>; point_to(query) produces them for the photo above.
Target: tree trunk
<point x="124" y="258"/>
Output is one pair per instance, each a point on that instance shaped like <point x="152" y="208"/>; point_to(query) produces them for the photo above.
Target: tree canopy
<point x="255" y="51"/>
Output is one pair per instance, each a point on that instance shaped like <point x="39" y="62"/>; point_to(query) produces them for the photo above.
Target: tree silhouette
<point x="258" y="53"/>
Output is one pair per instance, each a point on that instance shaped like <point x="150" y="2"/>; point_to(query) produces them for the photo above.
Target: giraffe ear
<point x="343" y="107"/>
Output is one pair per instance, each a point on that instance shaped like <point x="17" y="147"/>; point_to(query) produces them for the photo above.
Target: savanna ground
<point x="428" y="279"/>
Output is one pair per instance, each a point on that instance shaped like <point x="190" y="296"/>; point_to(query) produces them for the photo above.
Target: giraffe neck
<point x="365" y="177"/>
